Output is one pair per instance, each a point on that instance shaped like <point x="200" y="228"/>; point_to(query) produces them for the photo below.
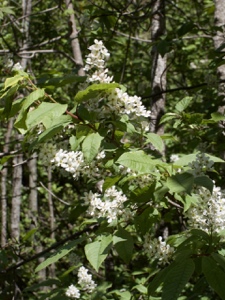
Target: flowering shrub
<point x="141" y="207"/>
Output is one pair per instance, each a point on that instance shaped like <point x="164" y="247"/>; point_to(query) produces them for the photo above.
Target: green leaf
<point x="32" y="97"/>
<point x="61" y="252"/>
<point x="11" y="81"/>
<point x="123" y="243"/>
<point x="45" y="113"/>
<point x="48" y="133"/>
<point x="189" y="200"/>
<point x="141" y="288"/>
<point x="144" y="221"/>
<point x="142" y="194"/>
<point x="137" y="161"/>
<point x="110" y="181"/>
<point x="185" y="28"/>
<point x="29" y="234"/>
<point x="94" y="90"/>
<point x="156" y="141"/>
<point x="7" y="10"/>
<point x="8" y="96"/>
<point x="214" y="275"/>
<point x="219" y="259"/>
<point x="123" y="295"/>
<point x="16" y="106"/>
<point x="91" y="145"/>
<point x="163" y="47"/>
<point x="215" y="159"/>
<point x="160" y="192"/>
<point x="186" y="159"/>
<point x="20" y="122"/>
<point x="97" y="251"/>
<point x="183" y="104"/>
<point x="216" y="116"/>
<point x="204" y="181"/>
<point x="158" y="280"/>
<point x="180" y="183"/>
<point x="177" y="278"/>
<point x="201" y="234"/>
<point x="167" y="117"/>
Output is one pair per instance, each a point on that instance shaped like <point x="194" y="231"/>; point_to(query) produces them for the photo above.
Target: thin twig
<point x="50" y="192"/>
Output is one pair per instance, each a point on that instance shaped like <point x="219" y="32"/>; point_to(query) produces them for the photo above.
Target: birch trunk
<point x="16" y="191"/>
<point x="158" y="72"/>
<point x="51" y="216"/>
<point x="27" y="8"/>
<point x="74" y="39"/>
<point x="219" y="20"/>
<point x="4" y="175"/>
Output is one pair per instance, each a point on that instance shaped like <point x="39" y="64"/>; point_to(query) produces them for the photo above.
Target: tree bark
<point x="158" y="72"/>
<point x="26" y="7"/>
<point x="219" y="20"/>
<point x="4" y="175"/>
<point x="51" y="216"/>
<point x="33" y="196"/>
<point x="16" y="190"/>
<point x="74" y="39"/>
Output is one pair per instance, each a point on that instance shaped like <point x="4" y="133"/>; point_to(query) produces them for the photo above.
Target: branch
<point x="50" y="192"/>
<point x="47" y="250"/>
<point x="175" y="90"/>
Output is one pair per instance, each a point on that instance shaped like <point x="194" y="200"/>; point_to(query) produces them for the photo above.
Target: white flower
<point x="71" y="161"/>
<point x="158" y="249"/>
<point x="209" y="213"/>
<point x="17" y="67"/>
<point x="73" y="292"/>
<point x="174" y="158"/>
<point x="201" y="164"/>
<point x="96" y="60"/>
<point x="85" y="280"/>
<point x="110" y="205"/>
<point x="120" y="102"/>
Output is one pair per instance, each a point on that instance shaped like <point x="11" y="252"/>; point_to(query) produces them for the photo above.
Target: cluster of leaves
<point x="198" y="257"/>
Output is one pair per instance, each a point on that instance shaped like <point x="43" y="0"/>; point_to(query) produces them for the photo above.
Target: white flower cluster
<point x="141" y="180"/>
<point x="96" y="60"/>
<point x="85" y="280"/>
<point x="201" y="164"/>
<point x="174" y="158"/>
<point x="15" y="67"/>
<point x="118" y="101"/>
<point x="209" y="213"/>
<point x="73" y="292"/>
<point x="158" y="249"/>
<point x="121" y="102"/>
<point x="71" y="161"/>
<point x="47" y="153"/>
<point x="109" y="206"/>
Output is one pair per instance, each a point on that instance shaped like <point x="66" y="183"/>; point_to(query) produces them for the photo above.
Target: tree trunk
<point x="51" y="216"/>
<point x="16" y="190"/>
<point x="33" y="196"/>
<point x="74" y="39"/>
<point x="219" y="20"/>
<point x="4" y="175"/>
<point x="158" y="72"/>
<point x="26" y="7"/>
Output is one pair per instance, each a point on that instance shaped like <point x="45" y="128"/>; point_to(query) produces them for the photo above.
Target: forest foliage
<point x="112" y="169"/>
